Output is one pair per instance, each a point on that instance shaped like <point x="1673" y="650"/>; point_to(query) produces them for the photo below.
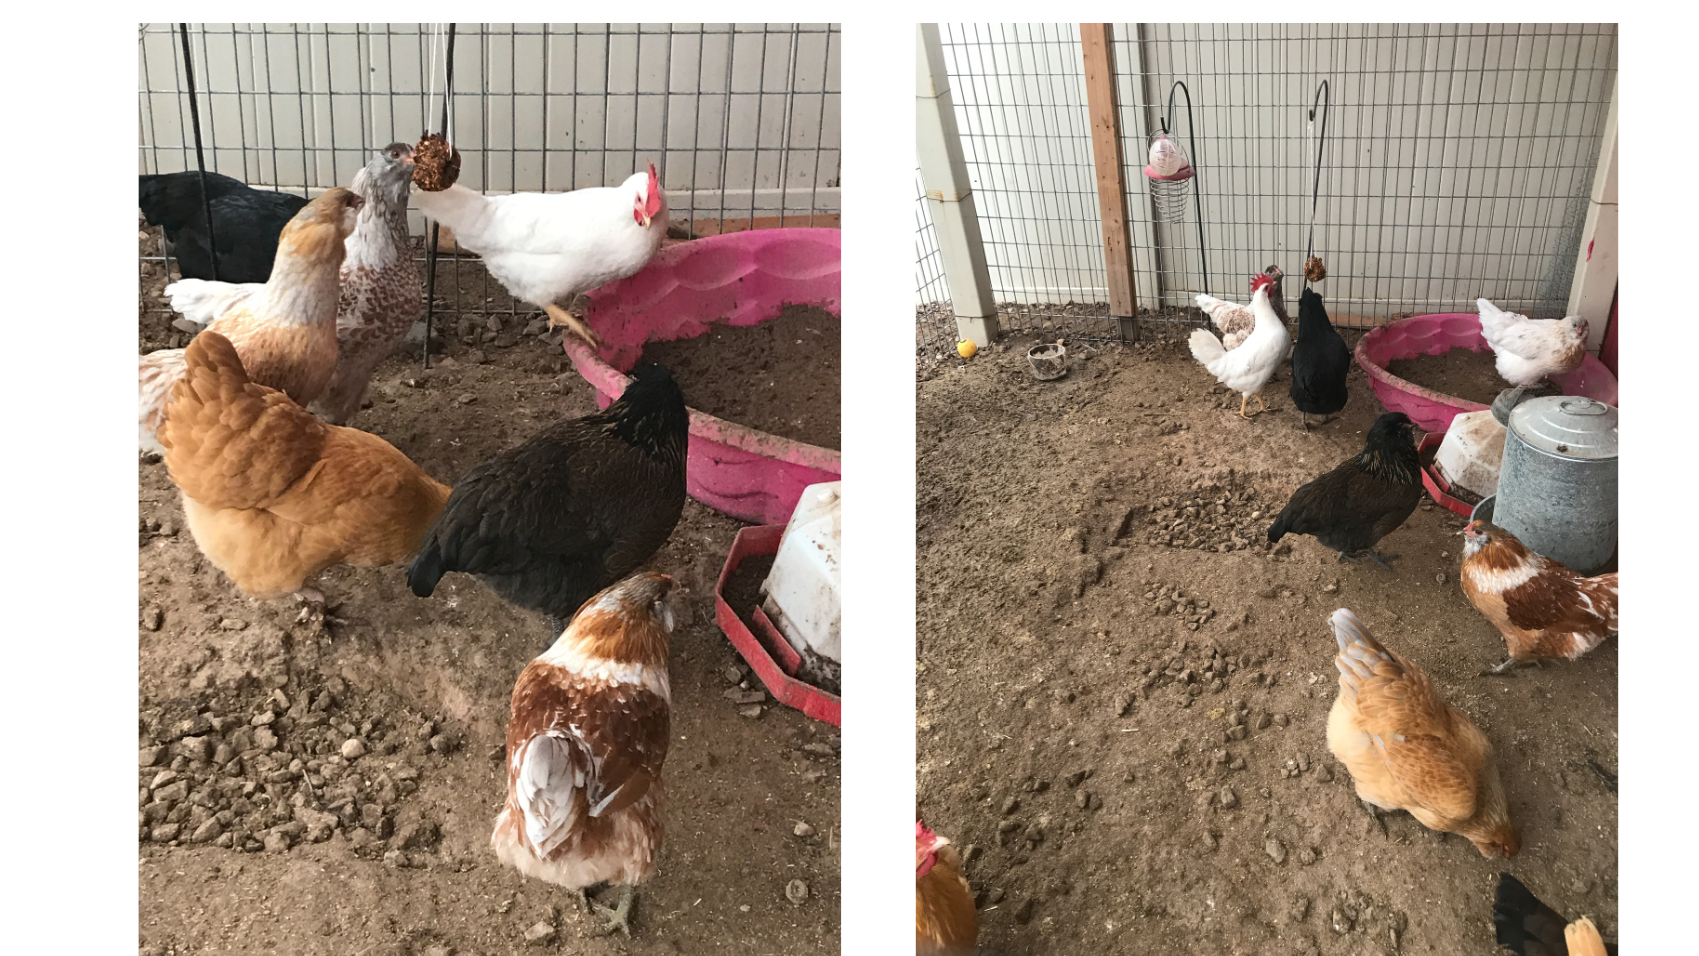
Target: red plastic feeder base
<point x="1431" y="480"/>
<point x="767" y="652"/>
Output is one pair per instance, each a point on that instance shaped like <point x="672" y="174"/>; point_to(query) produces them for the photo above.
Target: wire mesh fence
<point x="934" y="325"/>
<point x="741" y="120"/>
<point x="1457" y="162"/>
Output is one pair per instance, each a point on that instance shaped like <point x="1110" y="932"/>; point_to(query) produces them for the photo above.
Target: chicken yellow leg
<point x="1246" y="398"/>
<point x="559" y="317"/>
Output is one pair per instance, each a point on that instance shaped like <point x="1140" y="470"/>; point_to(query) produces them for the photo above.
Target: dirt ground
<point x="1122" y="722"/>
<point x="1459" y="373"/>
<point x="264" y="830"/>
<point x="782" y="376"/>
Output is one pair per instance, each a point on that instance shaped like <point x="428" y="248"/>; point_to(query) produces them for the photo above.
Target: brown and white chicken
<point x="1407" y="749"/>
<point x="1544" y="610"/>
<point x="945" y="923"/>
<point x="286" y="333"/>
<point x="1527" y="351"/>
<point x="380" y="293"/>
<point x="590" y="725"/>
<point x="272" y="494"/>
<point x="1235" y="321"/>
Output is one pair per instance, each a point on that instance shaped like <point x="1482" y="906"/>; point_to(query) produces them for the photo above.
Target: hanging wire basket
<point x="1170" y="174"/>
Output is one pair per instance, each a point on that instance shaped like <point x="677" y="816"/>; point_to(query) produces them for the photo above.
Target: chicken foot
<point x="1378" y="816"/>
<point x="1246" y="398"/>
<point x="559" y="317"/>
<point x="618" y="917"/>
<point x="1304" y="419"/>
<point x="1375" y="556"/>
<point x="1510" y="664"/>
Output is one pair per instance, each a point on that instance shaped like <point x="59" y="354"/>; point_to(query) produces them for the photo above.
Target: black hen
<point x="245" y="223"/>
<point x="1365" y="498"/>
<point x="1319" y="362"/>
<point x="553" y="521"/>
<point x="1526" y="926"/>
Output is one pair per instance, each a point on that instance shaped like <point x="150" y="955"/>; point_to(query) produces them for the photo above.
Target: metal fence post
<point x="1594" y="286"/>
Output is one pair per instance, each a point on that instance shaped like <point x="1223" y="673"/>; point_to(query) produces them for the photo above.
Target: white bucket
<point x="801" y="593"/>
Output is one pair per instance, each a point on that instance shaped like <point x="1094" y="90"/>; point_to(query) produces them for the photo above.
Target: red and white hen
<point x="1544" y="610"/>
<point x="589" y="730"/>
<point x="1247" y="368"/>
<point x="546" y="248"/>
<point x="1529" y="350"/>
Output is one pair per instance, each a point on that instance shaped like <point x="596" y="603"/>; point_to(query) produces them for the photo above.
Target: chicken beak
<point x="646" y="222"/>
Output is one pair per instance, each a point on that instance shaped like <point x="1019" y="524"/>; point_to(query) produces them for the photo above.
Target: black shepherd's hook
<point x="200" y="159"/>
<point x="1324" y="96"/>
<point x="1192" y="151"/>
<point x="436" y="227"/>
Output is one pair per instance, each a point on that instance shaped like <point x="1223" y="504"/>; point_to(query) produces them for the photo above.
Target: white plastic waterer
<point x="801" y="593"/>
<point x="1471" y="452"/>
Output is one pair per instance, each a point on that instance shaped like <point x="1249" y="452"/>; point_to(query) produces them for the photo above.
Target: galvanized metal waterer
<point x="1557" y="488"/>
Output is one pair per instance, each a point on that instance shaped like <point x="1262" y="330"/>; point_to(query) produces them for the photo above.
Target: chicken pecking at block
<point x="1530" y="350"/>
<point x="272" y="494"/>
<point x="1363" y="500"/>
<point x="547" y="248"/>
<point x="586" y="740"/>
<point x="285" y="332"/>
<point x="1320" y="360"/>
<point x="1407" y="749"/>
<point x="1544" y="610"/>
<point x="552" y="521"/>
<point x="380" y="293"/>
<point x="1247" y="368"/>
<point x="245" y="223"/>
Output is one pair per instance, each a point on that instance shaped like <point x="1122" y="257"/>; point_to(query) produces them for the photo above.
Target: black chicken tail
<point x="426" y="569"/>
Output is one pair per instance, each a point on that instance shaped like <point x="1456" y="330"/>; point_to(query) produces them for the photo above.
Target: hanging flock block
<point x="1170" y="175"/>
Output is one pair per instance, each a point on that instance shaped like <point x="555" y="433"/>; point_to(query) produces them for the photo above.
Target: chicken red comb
<point x="652" y="202"/>
<point x="1261" y="279"/>
<point x="926" y="845"/>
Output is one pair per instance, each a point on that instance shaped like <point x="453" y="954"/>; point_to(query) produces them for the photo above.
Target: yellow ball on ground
<point x="966" y="349"/>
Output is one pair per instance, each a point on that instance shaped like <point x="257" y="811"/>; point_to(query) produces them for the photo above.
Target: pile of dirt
<point x="1125" y="731"/>
<point x="781" y="376"/>
<point x="1459" y="373"/>
<point x="259" y="771"/>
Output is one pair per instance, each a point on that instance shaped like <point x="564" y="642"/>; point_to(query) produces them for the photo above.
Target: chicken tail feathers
<point x="426" y="569"/>
<point x="219" y="426"/>
<point x="203" y="300"/>
<point x="1206" y="348"/>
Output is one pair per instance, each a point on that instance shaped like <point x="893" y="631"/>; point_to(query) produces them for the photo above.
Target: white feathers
<point x="569" y="656"/>
<point x="202" y="300"/>
<point x="1247" y="368"/>
<point x="549" y="776"/>
<point x="1528" y="350"/>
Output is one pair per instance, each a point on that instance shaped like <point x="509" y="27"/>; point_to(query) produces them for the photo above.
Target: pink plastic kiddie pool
<point x="739" y="279"/>
<point x="1437" y="334"/>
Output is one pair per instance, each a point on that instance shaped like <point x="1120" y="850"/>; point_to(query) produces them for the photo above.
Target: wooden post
<point x="1109" y="158"/>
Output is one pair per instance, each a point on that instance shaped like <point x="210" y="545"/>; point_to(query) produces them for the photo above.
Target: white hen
<point x="1247" y="368"/>
<point x="546" y="248"/>
<point x="1529" y="350"/>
